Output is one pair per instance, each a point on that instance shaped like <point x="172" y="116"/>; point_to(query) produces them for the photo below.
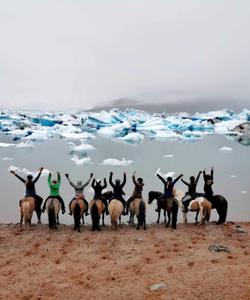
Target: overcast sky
<point x="57" y="54"/>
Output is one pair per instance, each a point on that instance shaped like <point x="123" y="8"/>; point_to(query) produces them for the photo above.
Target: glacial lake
<point x="231" y="171"/>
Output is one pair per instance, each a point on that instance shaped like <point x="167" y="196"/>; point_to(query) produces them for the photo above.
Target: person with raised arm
<point x="208" y="182"/>
<point x="79" y="188"/>
<point x="137" y="193"/>
<point x="54" y="186"/>
<point x="98" y="188"/>
<point x="168" y="188"/>
<point x="31" y="190"/>
<point x="191" y="193"/>
<point x="118" y="190"/>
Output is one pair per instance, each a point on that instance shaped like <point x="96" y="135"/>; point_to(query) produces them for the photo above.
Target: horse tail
<point x="95" y="216"/>
<point x="142" y="213"/>
<point x="175" y="213"/>
<point x="77" y="215"/>
<point x="26" y="211"/>
<point x="51" y="214"/>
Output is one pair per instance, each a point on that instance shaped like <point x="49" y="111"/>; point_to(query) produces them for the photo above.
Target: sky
<point x="59" y="55"/>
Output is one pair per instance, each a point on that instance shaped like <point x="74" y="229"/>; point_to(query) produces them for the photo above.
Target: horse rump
<point x="95" y="217"/>
<point x="51" y="214"/>
<point x="142" y="215"/>
<point x="77" y="216"/>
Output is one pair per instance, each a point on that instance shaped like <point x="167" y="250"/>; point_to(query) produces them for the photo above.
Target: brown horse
<point x="27" y="206"/>
<point x="78" y="208"/>
<point x="53" y="206"/>
<point x="138" y="207"/>
<point x="169" y="205"/>
<point x="115" y="211"/>
<point x="97" y="208"/>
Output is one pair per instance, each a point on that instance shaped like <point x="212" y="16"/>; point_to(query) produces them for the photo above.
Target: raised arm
<point x="134" y="180"/>
<point x="186" y="183"/>
<point x="70" y="182"/>
<point x="204" y="174"/>
<point x="93" y="184"/>
<point x="161" y="178"/>
<point x="49" y="179"/>
<point x="177" y="178"/>
<point x="212" y="173"/>
<point x="111" y="179"/>
<point x="87" y="182"/>
<point x="198" y="177"/>
<point x="105" y="183"/>
<point x="39" y="174"/>
<point x="58" y="178"/>
<point x="124" y="179"/>
<point x="17" y="176"/>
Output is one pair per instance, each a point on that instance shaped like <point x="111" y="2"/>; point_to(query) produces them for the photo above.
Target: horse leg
<point x="184" y="216"/>
<point x="197" y="215"/>
<point x="83" y="219"/>
<point x="98" y="224"/>
<point x="158" y="220"/>
<point x="165" y="218"/>
<point x="21" y="219"/>
<point x="103" y="219"/>
<point x="38" y="213"/>
<point x="144" y="223"/>
<point x="120" y="220"/>
<point x="169" y="218"/>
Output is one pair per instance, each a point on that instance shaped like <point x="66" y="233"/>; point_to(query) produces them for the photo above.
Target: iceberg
<point x="130" y="126"/>
<point x="81" y="149"/>
<point x="117" y="162"/>
<point x="26" y="172"/>
<point x="169" y="155"/>
<point x="81" y="161"/>
<point x="226" y="149"/>
<point x="6" y="158"/>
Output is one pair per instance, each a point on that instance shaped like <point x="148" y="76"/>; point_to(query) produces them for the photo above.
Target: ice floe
<point x="226" y="149"/>
<point x="169" y="155"/>
<point x="130" y="126"/>
<point x="81" y="149"/>
<point x="6" y="158"/>
<point x="81" y="161"/>
<point x="117" y="162"/>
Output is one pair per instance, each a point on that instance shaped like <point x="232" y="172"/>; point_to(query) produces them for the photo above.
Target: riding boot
<point x="62" y="203"/>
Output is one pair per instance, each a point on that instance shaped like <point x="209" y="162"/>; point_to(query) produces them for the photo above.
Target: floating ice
<point x="233" y="176"/>
<point x="130" y="126"/>
<point x="117" y="162"/>
<point x="81" y="161"/>
<point x="243" y="192"/>
<point x="81" y="149"/>
<point x="28" y="144"/>
<point x="168" y="174"/>
<point x="226" y="149"/>
<point x="6" y="145"/>
<point x="169" y="155"/>
<point x="6" y="158"/>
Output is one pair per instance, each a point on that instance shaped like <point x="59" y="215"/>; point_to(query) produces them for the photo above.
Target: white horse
<point x="115" y="211"/>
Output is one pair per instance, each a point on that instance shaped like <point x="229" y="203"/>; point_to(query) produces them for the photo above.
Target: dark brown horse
<point x="169" y="205"/>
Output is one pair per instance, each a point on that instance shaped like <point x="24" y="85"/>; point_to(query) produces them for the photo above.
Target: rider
<point x="168" y="188"/>
<point x="191" y="193"/>
<point x="137" y="193"/>
<point x="118" y="190"/>
<point x="98" y="188"/>
<point x="209" y="180"/>
<point x="54" y="191"/>
<point x="79" y="188"/>
<point x="31" y="191"/>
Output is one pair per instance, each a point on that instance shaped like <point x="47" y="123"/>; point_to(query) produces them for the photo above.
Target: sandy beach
<point x="41" y="264"/>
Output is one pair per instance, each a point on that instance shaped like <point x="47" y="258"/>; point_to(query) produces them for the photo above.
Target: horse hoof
<point x="39" y="222"/>
<point x="98" y="229"/>
<point x="157" y="222"/>
<point x="145" y="228"/>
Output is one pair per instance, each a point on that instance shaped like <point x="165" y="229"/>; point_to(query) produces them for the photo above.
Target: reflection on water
<point x="231" y="170"/>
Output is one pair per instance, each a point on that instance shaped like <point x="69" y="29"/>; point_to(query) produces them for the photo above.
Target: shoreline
<point x="43" y="264"/>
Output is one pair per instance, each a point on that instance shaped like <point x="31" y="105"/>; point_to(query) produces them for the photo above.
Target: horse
<point x="53" y="206"/>
<point x="78" y="208"/>
<point x="138" y="207"/>
<point x="115" y="211"/>
<point x="200" y="205"/>
<point x="169" y="205"/>
<point x="97" y="208"/>
<point x="27" y="206"/>
<point x="218" y="202"/>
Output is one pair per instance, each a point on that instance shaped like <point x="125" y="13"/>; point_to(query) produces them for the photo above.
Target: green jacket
<point x="54" y="187"/>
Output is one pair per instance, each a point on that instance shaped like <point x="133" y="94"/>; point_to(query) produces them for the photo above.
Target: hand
<point x="49" y="173"/>
<point x="182" y="175"/>
<point x="111" y="173"/>
<point x="41" y="169"/>
<point x="134" y="173"/>
<point x="200" y="172"/>
<point x="212" y="168"/>
<point x="124" y="174"/>
<point x="58" y="173"/>
<point x="12" y="172"/>
<point x="91" y="175"/>
<point x="67" y="175"/>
